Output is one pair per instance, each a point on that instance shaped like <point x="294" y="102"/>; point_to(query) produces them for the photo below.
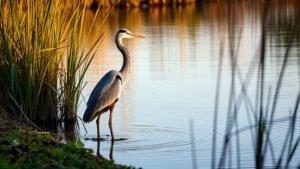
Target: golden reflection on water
<point x="174" y="68"/>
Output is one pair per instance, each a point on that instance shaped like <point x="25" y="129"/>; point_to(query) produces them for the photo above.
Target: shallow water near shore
<point x="165" y="115"/>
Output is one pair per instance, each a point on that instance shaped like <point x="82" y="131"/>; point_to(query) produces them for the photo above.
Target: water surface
<point x="166" y="111"/>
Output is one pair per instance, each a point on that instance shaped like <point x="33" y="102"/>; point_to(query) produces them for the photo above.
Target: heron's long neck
<point x="125" y="70"/>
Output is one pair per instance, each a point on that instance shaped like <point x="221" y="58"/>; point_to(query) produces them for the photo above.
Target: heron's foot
<point x="98" y="139"/>
<point x="119" y="139"/>
<point x="95" y="139"/>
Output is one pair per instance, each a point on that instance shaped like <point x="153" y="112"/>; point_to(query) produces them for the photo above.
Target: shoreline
<point x="22" y="146"/>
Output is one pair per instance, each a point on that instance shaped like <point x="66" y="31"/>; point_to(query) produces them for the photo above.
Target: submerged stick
<point x="23" y="113"/>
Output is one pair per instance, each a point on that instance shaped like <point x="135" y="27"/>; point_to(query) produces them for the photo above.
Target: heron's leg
<point x="98" y="130"/>
<point x="110" y="121"/>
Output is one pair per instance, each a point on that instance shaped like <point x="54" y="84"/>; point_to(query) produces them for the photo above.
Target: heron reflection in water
<point x="108" y="90"/>
<point x="111" y="150"/>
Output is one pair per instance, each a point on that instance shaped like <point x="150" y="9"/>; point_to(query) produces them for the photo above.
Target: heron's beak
<point x="137" y="35"/>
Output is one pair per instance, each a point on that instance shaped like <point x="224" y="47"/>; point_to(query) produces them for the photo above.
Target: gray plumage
<point x="108" y="90"/>
<point x="102" y="95"/>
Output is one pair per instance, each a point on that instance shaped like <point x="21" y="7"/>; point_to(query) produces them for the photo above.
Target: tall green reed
<point x="29" y="58"/>
<point x="34" y="75"/>
<point x="76" y="64"/>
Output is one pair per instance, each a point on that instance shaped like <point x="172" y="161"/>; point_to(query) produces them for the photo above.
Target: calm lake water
<point x="166" y="111"/>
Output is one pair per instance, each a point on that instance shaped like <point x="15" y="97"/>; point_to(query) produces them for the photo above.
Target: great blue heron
<point x="108" y="90"/>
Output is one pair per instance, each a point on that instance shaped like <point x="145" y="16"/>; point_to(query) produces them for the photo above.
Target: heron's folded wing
<point x="103" y="86"/>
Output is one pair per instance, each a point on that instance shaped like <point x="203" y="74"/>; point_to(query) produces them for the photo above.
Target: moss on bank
<point x="20" y="149"/>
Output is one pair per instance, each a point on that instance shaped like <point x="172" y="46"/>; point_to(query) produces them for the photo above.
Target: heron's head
<point x="124" y="33"/>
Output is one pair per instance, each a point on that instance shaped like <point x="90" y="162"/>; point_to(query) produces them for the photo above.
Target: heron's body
<point x="108" y="90"/>
<point x="102" y="98"/>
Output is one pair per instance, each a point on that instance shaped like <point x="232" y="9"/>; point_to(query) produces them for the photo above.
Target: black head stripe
<point x="122" y="31"/>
